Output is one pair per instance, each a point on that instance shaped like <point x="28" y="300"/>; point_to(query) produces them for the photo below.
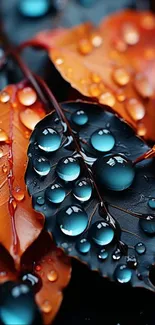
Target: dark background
<point x="88" y="299"/>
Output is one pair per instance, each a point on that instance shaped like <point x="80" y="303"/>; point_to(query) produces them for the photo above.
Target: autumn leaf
<point x="20" y="225"/>
<point x="113" y="63"/>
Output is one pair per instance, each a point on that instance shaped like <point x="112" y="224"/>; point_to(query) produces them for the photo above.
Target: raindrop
<point x="18" y="194"/>
<point x="46" y="307"/>
<point x="140" y="248"/>
<point x="107" y="98"/>
<point x="123" y="274"/>
<point x="83" y="246"/>
<point x="130" y="34"/>
<point x="102" y="140"/>
<point x="52" y="276"/>
<point x="148" y="225"/>
<point x="79" y="117"/>
<point x="29" y="118"/>
<point x="101" y="233"/>
<point x="41" y="166"/>
<point x="55" y="193"/>
<point x="121" y="76"/>
<point x="40" y="200"/>
<point x="49" y="140"/>
<point x="72" y="220"/>
<point x="4" y="97"/>
<point x="135" y="109"/>
<point x="82" y="190"/>
<point x="27" y="96"/>
<point x="103" y="254"/>
<point x="143" y="86"/>
<point x="68" y="169"/>
<point x="151" y="203"/>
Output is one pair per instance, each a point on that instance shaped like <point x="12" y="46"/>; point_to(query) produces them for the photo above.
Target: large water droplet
<point x="82" y="190"/>
<point x="29" y="118"/>
<point x="121" y="76"/>
<point x="151" y="203"/>
<point x="4" y="97"/>
<point x="27" y="96"/>
<point x="140" y="248"/>
<point x="117" y="254"/>
<point x="123" y="274"/>
<point x="148" y="225"/>
<point x="55" y="193"/>
<point x="102" y="140"/>
<point x="33" y="9"/>
<point x="49" y="140"/>
<point x="18" y="194"/>
<point x="143" y="86"/>
<point x="103" y="254"/>
<point x="41" y="166"/>
<point x="135" y="109"/>
<point x="101" y="233"/>
<point x="68" y="169"/>
<point x="52" y="276"/>
<point x="114" y="172"/>
<point x="130" y="34"/>
<point x="3" y="136"/>
<point x="79" y="117"/>
<point x="83" y="246"/>
<point x="72" y="220"/>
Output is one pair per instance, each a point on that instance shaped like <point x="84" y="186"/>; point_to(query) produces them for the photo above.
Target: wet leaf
<point x="95" y="191"/>
<point x="113" y="63"/>
<point x="20" y="225"/>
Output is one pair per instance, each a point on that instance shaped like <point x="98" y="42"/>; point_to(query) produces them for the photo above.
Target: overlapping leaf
<point x="126" y="212"/>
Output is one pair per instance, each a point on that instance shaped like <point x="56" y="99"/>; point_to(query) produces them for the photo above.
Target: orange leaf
<point x="20" y="225"/>
<point x="114" y="63"/>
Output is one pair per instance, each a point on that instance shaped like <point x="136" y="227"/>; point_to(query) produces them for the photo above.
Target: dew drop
<point x="18" y="194"/>
<point x="148" y="22"/>
<point x="95" y="78"/>
<point x="143" y="86"/>
<point x="52" y="276"/>
<point x="85" y="47"/>
<point x="101" y="233"/>
<point x="94" y="90"/>
<point x="72" y="220"/>
<point x="148" y="225"/>
<point x="121" y="97"/>
<point x="131" y="261"/>
<point x="141" y="130"/>
<point x="38" y="268"/>
<point x="107" y="98"/>
<point x="46" y="307"/>
<point x="29" y="118"/>
<point x="117" y="255"/>
<point x="151" y="203"/>
<point x="41" y="166"/>
<point x="140" y="248"/>
<point x="96" y="40"/>
<point x="49" y="140"/>
<point x="83" y="246"/>
<point x="55" y="193"/>
<point x="103" y="254"/>
<point x="123" y="274"/>
<point x="135" y="109"/>
<point x="102" y="140"/>
<point x="4" y="97"/>
<point x="27" y="96"/>
<point x="40" y="200"/>
<point x="79" y="117"/>
<point x="3" y="136"/>
<point x="4" y="169"/>
<point x="114" y="172"/>
<point x="1" y="153"/>
<point x="130" y="34"/>
<point x="68" y="169"/>
<point x="121" y="76"/>
<point x="82" y="190"/>
<point x="59" y="61"/>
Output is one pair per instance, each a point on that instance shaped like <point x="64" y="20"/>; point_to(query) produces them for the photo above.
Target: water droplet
<point x="121" y="97"/>
<point x="59" y="61"/>
<point x="130" y="34"/>
<point x="142" y="85"/>
<point x="38" y="268"/>
<point x="102" y="140"/>
<point x="29" y="118"/>
<point x="117" y="255"/>
<point x="52" y="276"/>
<point x="72" y="220"/>
<point x="141" y="130"/>
<point x="148" y="225"/>
<point x="140" y="248"/>
<point x="27" y="96"/>
<point x="80" y="118"/>
<point x="33" y="280"/>
<point x="85" y="46"/>
<point x="68" y="169"/>
<point x="55" y="193"/>
<point x="121" y="76"/>
<point x="49" y="140"/>
<point x="131" y="261"/>
<point x="1" y="153"/>
<point x="101" y="233"/>
<point x="83" y="246"/>
<point x="123" y="274"/>
<point x="94" y="90"/>
<point x="4" y="97"/>
<point x="135" y="109"/>
<point x="148" y="22"/>
<point x="40" y="200"/>
<point x="3" y="136"/>
<point x="82" y="190"/>
<point x="46" y="307"/>
<point x="4" y="169"/>
<point x="103" y="254"/>
<point x="120" y="45"/>
<point x="96" y="40"/>
<point x="41" y="166"/>
<point x="95" y="77"/>
<point x="151" y="203"/>
<point x="107" y="98"/>
<point x="18" y="194"/>
<point x="114" y="171"/>
<point x="27" y="134"/>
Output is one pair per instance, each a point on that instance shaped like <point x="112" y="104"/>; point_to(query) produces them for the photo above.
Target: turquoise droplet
<point x="102" y="140"/>
<point x="34" y="8"/>
<point x="68" y="169"/>
<point x="83" y="246"/>
<point x="148" y="225"/>
<point x="114" y="172"/>
<point x="72" y="220"/>
<point x="40" y="200"/>
<point x="103" y="254"/>
<point x="41" y="166"/>
<point x="49" y="140"/>
<point x="80" y="118"/>
<point x="101" y="233"/>
<point x="151" y="203"/>
<point x="55" y="193"/>
<point x="82" y="190"/>
<point x="123" y="274"/>
<point x="140" y="248"/>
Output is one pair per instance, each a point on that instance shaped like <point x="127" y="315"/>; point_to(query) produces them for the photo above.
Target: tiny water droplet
<point x="82" y="190"/>
<point x="55" y="193"/>
<point x="123" y="274"/>
<point x="107" y="98"/>
<point x="79" y="117"/>
<point x="4" y="97"/>
<point x="148" y="21"/>
<point x="103" y="254"/>
<point x="121" y="97"/>
<point x="27" y="134"/>
<point x="38" y="268"/>
<point x="140" y="248"/>
<point x="95" y="78"/>
<point x="83" y="246"/>
<point x="3" y="136"/>
<point x="85" y="47"/>
<point x="46" y="307"/>
<point x="14" y="203"/>
<point x="143" y="86"/>
<point x="1" y="153"/>
<point x="151" y="203"/>
<point x="49" y="140"/>
<point x="114" y="172"/>
<point x="18" y="194"/>
<point x="148" y="225"/>
<point x="102" y="140"/>
<point x="40" y="200"/>
<point x="27" y="96"/>
<point x="117" y="255"/>
<point x="41" y="166"/>
<point x="94" y="90"/>
<point x="121" y="76"/>
<point x="131" y="261"/>
<point x="130" y="34"/>
<point x="59" y="61"/>
<point x="72" y="220"/>
<point x="102" y="233"/>
<point x="29" y="118"/>
<point x="96" y="40"/>
<point x="141" y="129"/>
<point x="68" y="168"/>
<point x="135" y="109"/>
<point x="52" y="276"/>
<point x="4" y="169"/>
